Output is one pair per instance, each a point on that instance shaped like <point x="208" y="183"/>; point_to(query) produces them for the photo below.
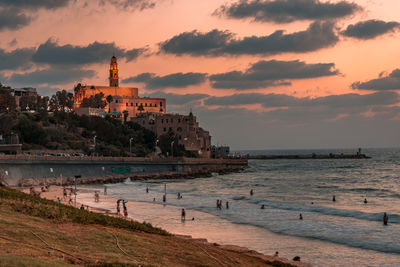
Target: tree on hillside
<point x="96" y="101"/>
<point x="61" y="101"/>
<point x="109" y="99"/>
<point x="7" y="101"/>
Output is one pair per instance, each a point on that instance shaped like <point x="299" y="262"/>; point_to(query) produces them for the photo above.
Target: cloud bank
<point x="176" y="80"/>
<point x="217" y="43"/>
<point x="388" y="82"/>
<point x="285" y="11"/>
<point x="370" y="29"/>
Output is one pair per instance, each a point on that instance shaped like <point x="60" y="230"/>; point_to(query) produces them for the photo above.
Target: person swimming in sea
<point x="385" y="218"/>
<point x="262" y="206"/>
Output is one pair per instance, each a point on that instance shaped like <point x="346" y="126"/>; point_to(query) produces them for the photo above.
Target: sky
<point x="258" y="74"/>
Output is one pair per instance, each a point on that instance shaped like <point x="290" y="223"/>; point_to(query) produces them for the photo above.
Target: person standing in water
<point x="183" y="215"/>
<point x="365" y="201"/>
<point x="227" y="204"/>
<point x="300" y="217"/>
<point x="147" y="190"/>
<point x="105" y="190"/>
<point x="333" y="198"/>
<point x="251" y="192"/>
<point x="385" y="218"/>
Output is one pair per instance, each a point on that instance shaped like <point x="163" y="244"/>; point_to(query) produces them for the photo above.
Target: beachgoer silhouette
<point x="105" y="190"/>
<point x="385" y="219"/>
<point x="147" y="189"/>
<point x="124" y="203"/>
<point x="82" y="207"/>
<point x="164" y="198"/>
<point x="296" y="258"/>
<point x="125" y="212"/>
<point x="300" y="217"/>
<point x="183" y="215"/>
<point x="193" y="219"/>
<point x="58" y="200"/>
<point x="154" y="199"/>
<point x="118" y="206"/>
<point x="251" y="192"/>
<point x="312" y="203"/>
<point x="262" y="206"/>
<point x="333" y="198"/>
<point x="220" y="204"/>
<point x="276" y="254"/>
<point x="365" y="201"/>
<point x="227" y="205"/>
<point x="64" y="193"/>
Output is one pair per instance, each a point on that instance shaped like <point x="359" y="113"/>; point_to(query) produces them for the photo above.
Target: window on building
<point x="145" y="105"/>
<point x="151" y="105"/>
<point x="172" y="120"/>
<point x="170" y="129"/>
<point x="136" y="104"/>
<point x="131" y="104"/>
<point x="127" y="104"/>
<point x="165" y="129"/>
<point x="179" y="120"/>
<point x="162" y="120"/>
<point x="160" y="104"/>
<point x="144" y="122"/>
<point x="179" y="129"/>
<point x="116" y="101"/>
<point x="155" y="105"/>
<point x="166" y="120"/>
<point x="180" y="137"/>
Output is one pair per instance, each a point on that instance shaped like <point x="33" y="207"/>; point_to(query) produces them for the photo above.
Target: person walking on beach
<point x="58" y="200"/>
<point x="82" y="207"/>
<point x="64" y="193"/>
<point x="385" y="218"/>
<point x="217" y="203"/>
<point x="96" y="196"/>
<point x="124" y="203"/>
<point x="227" y="204"/>
<point x="118" y="207"/>
<point x="70" y="200"/>
<point x="125" y="211"/>
<point x="333" y="198"/>
<point x="105" y="190"/>
<point x="183" y="215"/>
<point x="251" y="192"/>
<point x="220" y="204"/>
<point x="147" y="190"/>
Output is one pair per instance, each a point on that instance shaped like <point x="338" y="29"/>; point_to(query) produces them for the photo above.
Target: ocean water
<point x="342" y="233"/>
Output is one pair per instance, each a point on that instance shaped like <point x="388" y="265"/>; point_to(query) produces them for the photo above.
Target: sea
<point x="345" y="232"/>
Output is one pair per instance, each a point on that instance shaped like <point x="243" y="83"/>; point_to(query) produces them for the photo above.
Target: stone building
<point x="124" y="98"/>
<point x="190" y="134"/>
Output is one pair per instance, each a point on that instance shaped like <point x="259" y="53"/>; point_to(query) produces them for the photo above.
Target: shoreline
<point x="85" y="197"/>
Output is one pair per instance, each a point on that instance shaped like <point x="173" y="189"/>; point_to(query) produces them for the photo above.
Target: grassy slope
<point x="91" y="237"/>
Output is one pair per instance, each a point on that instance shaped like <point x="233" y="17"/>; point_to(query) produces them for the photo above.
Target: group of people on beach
<point x="219" y="204"/>
<point x="123" y="206"/>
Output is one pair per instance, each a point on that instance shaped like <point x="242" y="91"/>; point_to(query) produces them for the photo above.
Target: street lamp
<point x="94" y="142"/>
<point x="172" y="149"/>
<point x="130" y="145"/>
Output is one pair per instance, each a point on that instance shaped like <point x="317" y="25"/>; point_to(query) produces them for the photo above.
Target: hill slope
<point x="39" y="232"/>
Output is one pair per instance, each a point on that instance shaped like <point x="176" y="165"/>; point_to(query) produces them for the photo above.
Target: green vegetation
<point x="38" y="207"/>
<point x="67" y="131"/>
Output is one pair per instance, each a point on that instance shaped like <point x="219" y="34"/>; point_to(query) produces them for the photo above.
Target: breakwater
<point x="34" y="170"/>
<point x="307" y="156"/>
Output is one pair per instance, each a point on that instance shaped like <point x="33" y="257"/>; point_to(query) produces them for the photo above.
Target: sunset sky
<point x="258" y="74"/>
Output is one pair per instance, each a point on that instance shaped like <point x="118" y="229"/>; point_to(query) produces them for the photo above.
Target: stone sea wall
<point x="31" y="170"/>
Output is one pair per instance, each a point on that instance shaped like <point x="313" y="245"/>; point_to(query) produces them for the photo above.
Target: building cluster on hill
<point x="148" y="112"/>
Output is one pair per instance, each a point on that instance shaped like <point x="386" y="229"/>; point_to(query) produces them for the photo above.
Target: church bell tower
<point x="114" y="72"/>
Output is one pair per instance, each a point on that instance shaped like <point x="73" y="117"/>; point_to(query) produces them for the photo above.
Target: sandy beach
<point x="193" y="228"/>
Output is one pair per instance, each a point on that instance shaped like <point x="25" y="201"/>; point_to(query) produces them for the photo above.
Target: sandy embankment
<point x="107" y="205"/>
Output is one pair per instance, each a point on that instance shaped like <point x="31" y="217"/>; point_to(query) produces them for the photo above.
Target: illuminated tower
<point x="113" y="72"/>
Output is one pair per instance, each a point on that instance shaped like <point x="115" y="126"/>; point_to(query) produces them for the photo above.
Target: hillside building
<point x="189" y="133"/>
